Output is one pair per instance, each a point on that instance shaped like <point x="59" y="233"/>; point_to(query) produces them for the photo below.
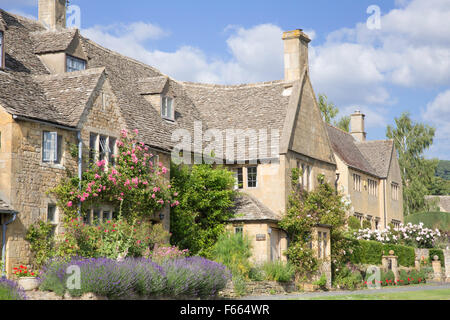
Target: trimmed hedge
<point x="371" y="252"/>
<point x="406" y="255"/>
<point x="432" y="220"/>
<point x="439" y="253"/>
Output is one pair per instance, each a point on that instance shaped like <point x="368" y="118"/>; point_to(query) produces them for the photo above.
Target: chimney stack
<point x="295" y="54"/>
<point x="357" y="126"/>
<point x="52" y="13"/>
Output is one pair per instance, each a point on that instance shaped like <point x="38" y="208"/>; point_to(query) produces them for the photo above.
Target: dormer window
<point x="167" y="111"/>
<point x="2" y="56"/>
<point x="74" y="64"/>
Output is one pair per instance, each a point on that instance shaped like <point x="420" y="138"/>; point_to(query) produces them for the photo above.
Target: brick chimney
<point x="52" y="13"/>
<point x="295" y="54"/>
<point x="357" y="126"/>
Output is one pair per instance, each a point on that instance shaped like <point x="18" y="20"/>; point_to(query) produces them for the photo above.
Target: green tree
<point x="205" y="195"/>
<point x="343" y="123"/>
<point x="330" y="111"/>
<point x="411" y="140"/>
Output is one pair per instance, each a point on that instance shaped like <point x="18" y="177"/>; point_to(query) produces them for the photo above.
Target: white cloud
<point x="21" y="13"/>
<point x="437" y="114"/>
<point x="256" y="53"/>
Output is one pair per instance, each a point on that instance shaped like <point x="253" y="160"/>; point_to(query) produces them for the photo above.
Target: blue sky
<point x="403" y="66"/>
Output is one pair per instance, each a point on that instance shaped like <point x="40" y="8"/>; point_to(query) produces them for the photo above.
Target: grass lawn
<point x="439" y="294"/>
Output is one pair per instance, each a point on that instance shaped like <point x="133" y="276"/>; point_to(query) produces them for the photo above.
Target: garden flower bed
<point x="10" y="290"/>
<point x="192" y="277"/>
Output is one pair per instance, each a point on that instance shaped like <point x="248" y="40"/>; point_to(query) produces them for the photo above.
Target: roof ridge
<point x="371" y="141"/>
<point x="122" y="56"/>
<point x="343" y="131"/>
<point x="234" y="86"/>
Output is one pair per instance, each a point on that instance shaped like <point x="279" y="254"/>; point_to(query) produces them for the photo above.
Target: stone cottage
<point x="368" y="174"/>
<point x="60" y="91"/>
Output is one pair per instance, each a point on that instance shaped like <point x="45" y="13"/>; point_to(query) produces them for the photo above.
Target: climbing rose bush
<point x="136" y="183"/>
<point x="409" y="234"/>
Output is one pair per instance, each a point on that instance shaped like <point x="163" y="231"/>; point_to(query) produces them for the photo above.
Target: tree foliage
<point x="411" y="140"/>
<point x="330" y="111"/>
<point x="205" y="195"/>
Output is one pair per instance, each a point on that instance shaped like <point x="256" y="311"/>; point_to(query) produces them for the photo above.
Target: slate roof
<point x="248" y="208"/>
<point x="52" y="41"/>
<point x="345" y="146"/>
<point x="379" y="154"/>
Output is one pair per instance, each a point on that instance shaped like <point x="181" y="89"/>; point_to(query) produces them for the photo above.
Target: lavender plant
<point x="187" y="277"/>
<point x="10" y="290"/>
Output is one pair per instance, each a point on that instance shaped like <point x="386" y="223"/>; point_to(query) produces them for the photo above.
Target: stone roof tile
<point x="378" y="154"/>
<point x="70" y="92"/>
<point x="52" y="41"/>
<point x="345" y="146"/>
<point x="248" y="208"/>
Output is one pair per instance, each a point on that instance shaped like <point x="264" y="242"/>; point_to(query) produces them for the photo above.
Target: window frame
<point x="357" y="182"/>
<point x="101" y="210"/>
<point x="95" y="153"/>
<point x="57" y="148"/>
<point x="255" y="181"/>
<point x="373" y="187"/>
<point x="239" y="178"/>
<point x="69" y="57"/>
<point x="164" y="100"/>
<point x="394" y="191"/>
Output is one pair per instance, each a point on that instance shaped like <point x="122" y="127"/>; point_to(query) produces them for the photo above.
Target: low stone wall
<point x="260" y="288"/>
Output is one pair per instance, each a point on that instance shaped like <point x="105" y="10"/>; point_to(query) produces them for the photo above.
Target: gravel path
<point x="432" y="286"/>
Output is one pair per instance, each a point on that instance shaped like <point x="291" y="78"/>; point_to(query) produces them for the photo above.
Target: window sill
<point x="172" y="121"/>
<point x="53" y="166"/>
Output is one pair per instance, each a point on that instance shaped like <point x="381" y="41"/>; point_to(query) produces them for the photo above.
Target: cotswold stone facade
<point x="56" y="84"/>
<point x="369" y="175"/>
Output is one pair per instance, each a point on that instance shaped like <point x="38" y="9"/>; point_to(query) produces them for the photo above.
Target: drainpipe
<point x="80" y="165"/>
<point x="4" y="243"/>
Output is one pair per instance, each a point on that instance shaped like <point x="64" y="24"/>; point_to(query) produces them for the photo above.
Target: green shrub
<point x="366" y="252"/>
<point x="256" y="274"/>
<point x="354" y="223"/>
<point x="278" y="271"/>
<point x="366" y="224"/>
<point x="234" y="251"/>
<point x="348" y="279"/>
<point x="406" y="255"/>
<point x="322" y="282"/>
<point x="440" y="254"/>
<point x="371" y="252"/>
<point x="240" y="285"/>
<point x="387" y="278"/>
<point x="403" y="278"/>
